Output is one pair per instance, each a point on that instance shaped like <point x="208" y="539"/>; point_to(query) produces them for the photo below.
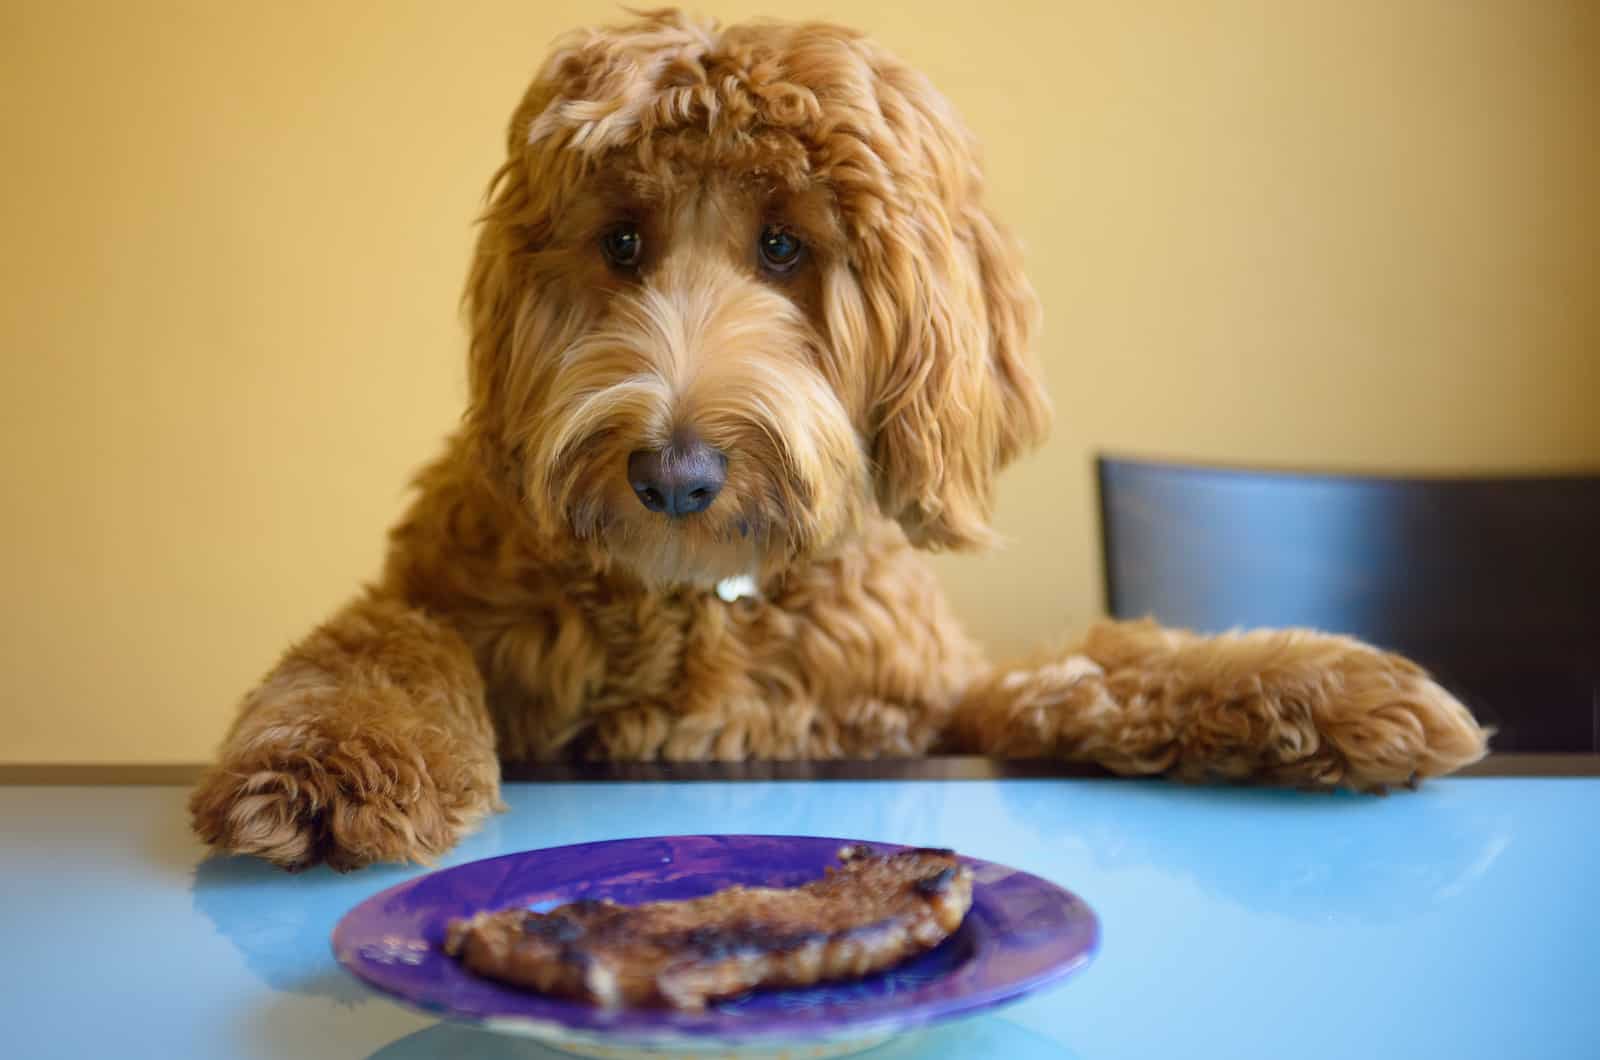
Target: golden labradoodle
<point x="744" y="342"/>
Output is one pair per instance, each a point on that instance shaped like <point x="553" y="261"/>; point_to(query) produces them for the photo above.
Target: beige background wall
<point x="1353" y="233"/>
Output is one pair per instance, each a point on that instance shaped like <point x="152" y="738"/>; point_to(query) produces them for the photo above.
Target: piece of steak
<point x="868" y="914"/>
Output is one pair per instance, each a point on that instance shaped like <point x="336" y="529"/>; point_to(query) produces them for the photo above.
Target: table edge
<point x="955" y="767"/>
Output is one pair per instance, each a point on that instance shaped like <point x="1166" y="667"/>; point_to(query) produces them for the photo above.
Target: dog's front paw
<point x="302" y="796"/>
<point x="1392" y="724"/>
<point x="1298" y="707"/>
<point x="1292" y="707"/>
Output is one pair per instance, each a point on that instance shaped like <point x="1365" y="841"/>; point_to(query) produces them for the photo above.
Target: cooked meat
<point x="870" y="913"/>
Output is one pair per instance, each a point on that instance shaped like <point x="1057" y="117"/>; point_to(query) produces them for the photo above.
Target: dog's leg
<point x="369" y="742"/>
<point x="769" y="730"/>
<point x="1281" y="706"/>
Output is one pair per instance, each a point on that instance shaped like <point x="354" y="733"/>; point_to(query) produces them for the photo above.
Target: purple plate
<point x="1022" y="934"/>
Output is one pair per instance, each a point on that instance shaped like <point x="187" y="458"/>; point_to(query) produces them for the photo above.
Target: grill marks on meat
<point x="868" y="914"/>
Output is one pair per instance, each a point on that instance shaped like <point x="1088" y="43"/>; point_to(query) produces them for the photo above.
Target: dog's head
<point x="735" y="293"/>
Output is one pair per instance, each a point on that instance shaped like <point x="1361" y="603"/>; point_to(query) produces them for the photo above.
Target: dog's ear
<point x="508" y="278"/>
<point x="953" y="395"/>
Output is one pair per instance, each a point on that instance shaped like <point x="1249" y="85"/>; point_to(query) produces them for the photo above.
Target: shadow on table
<point x="282" y="924"/>
<point x="974" y="1039"/>
<point x="1310" y="856"/>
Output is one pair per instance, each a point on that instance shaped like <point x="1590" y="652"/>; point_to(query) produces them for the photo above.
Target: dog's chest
<point x="588" y="650"/>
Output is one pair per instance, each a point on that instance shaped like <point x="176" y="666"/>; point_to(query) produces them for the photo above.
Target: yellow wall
<point x="1353" y="233"/>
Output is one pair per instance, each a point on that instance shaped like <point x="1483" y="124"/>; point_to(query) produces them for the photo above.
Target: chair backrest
<point x="1493" y="584"/>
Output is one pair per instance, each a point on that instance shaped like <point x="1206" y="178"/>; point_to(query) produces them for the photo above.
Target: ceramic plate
<point x="1023" y="933"/>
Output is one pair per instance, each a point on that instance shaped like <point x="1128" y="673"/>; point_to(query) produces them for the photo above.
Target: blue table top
<point x="1462" y="920"/>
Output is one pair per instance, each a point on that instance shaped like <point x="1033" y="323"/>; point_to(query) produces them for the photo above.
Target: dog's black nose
<point x="679" y="480"/>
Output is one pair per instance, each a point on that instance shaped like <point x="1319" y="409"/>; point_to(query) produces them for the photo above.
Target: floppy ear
<point x="953" y="393"/>
<point x="512" y="228"/>
<point x="512" y="300"/>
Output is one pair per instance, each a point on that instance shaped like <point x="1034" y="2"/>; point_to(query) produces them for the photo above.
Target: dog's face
<point x="735" y="294"/>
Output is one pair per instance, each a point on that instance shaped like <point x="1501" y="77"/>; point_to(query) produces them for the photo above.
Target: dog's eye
<point x="622" y="246"/>
<point x="779" y="249"/>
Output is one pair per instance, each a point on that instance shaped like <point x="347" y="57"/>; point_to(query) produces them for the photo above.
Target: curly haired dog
<point x="738" y="313"/>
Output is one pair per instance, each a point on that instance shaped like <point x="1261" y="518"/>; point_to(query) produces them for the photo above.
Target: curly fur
<point x="532" y="608"/>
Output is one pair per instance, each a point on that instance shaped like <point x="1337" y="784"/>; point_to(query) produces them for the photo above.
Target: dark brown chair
<point x="1493" y="584"/>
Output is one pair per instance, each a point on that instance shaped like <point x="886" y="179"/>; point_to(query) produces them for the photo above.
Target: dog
<point x="745" y="343"/>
